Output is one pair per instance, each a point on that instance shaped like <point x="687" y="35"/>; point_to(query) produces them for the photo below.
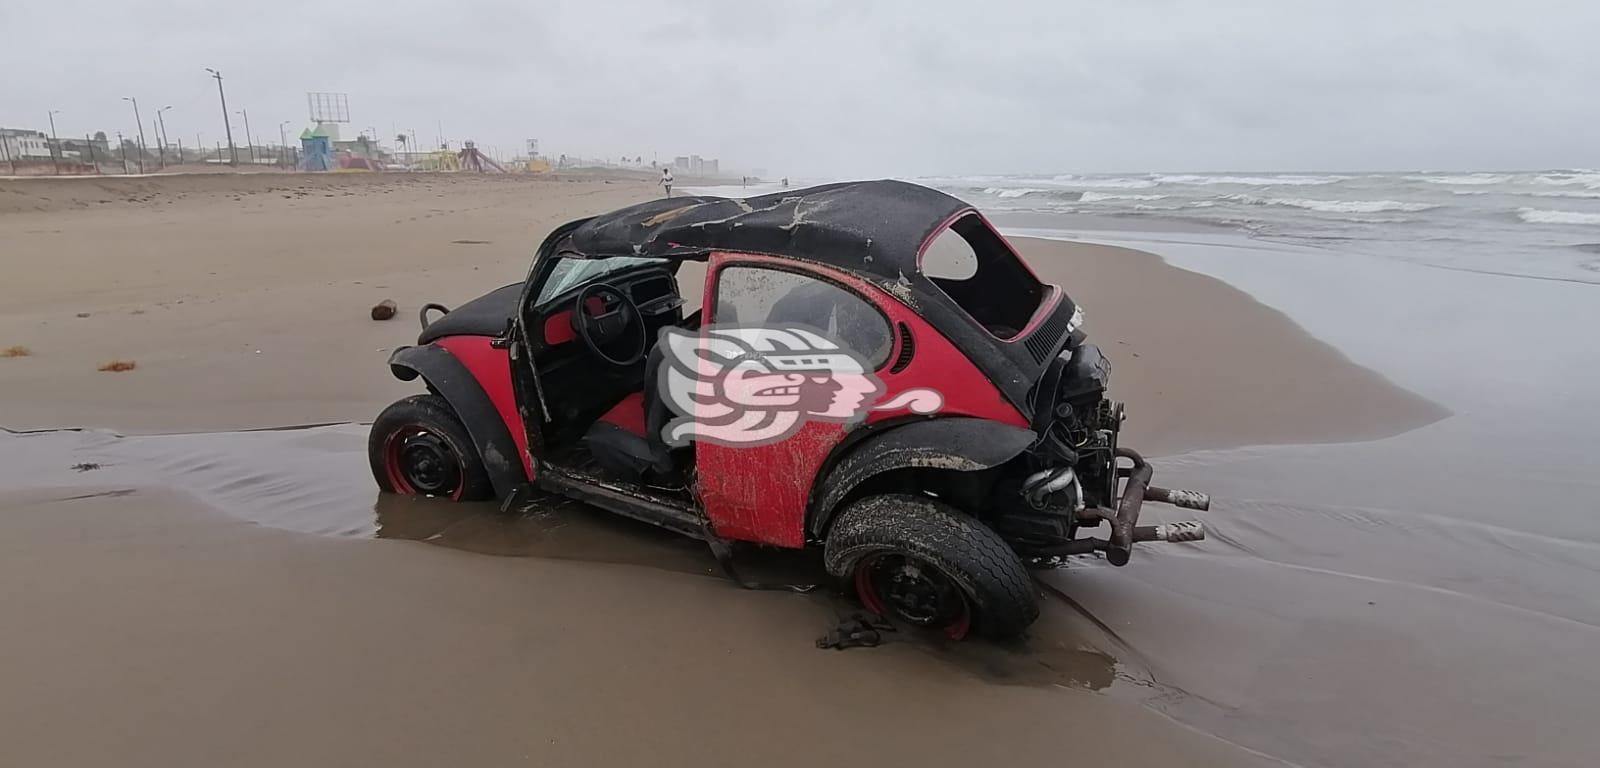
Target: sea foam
<point x="1252" y="181"/>
<point x="1538" y="216"/>
<point x="1098" y="197"/>
<point x="1333" y="206"/>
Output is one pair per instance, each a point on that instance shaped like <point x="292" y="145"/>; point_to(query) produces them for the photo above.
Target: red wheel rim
<point x="908" y="599"/>
<point x="420" y="462"/>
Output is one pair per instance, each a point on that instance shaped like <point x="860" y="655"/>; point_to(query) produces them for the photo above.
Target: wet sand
<point x="191" y="599"/>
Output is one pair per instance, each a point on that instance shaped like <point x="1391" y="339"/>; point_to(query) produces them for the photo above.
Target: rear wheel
<point x="926" y="563"/>
<point x="418" y="447"/>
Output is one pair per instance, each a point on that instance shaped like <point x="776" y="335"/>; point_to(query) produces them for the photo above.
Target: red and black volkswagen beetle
<point x="560" y="384"/>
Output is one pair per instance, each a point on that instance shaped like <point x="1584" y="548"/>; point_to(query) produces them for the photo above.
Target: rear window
<point x="973" y="266"/>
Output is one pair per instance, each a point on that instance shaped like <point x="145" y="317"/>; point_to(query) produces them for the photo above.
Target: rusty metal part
<point x="1120" y="545"/>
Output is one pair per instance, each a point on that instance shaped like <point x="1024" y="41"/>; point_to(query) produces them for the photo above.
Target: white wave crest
<point x="1010" y="191"/>
<point x="1586" y="178"/>
<point x="1468" y="179"/>
<point x="1103" y="183"/>
<point x="1567" y="193"/>
<point x="1538" y="216"/>
<point x="1252" y="181"/>
<point x="1096" y="197"/>
<point x="1333" y="206"/>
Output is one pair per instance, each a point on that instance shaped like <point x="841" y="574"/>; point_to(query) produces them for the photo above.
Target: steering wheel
<point x="602" y="314"/>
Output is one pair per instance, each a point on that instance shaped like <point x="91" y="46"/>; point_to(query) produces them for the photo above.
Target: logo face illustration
<point x="753" y="385"/>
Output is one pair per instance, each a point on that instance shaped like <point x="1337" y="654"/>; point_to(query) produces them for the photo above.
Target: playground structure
<point x="322" y="149"/>
<point x="316" y="150"/>
<point x="473" y="160"/>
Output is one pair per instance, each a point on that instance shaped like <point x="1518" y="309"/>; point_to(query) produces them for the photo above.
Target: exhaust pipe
<point x="1187" y="530"/>
<point x="1178" y="497"/>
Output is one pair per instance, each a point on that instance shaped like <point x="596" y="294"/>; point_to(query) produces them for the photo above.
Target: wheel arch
<point x="952" y="445"/>
<point x="450" y="379"/>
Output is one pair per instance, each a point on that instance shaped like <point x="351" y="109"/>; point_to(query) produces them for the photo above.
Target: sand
<point x="145" y="627"/>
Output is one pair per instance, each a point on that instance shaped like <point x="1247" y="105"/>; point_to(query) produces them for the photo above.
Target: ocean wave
<point x="1589" y="179"/>
<point x="1252" y="181"/>
<point x="1539" y="216"/>
<point x="1376" y="219"/>
<point x="1469" y="179"/>
<point x="1568" y="193"/>
<point x="1103" y="183"/>
<point x="1333" y="206"/>
<point x="1097" y="197"/>
<point x="1010" y="191"/>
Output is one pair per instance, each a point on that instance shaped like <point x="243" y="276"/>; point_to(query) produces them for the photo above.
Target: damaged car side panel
<point x="952" y="444"/>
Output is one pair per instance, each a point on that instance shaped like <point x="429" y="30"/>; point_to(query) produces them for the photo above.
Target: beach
<point x="191" y="582"/>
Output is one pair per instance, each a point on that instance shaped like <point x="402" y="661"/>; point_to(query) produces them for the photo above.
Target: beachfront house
<point x="24" y="144"/>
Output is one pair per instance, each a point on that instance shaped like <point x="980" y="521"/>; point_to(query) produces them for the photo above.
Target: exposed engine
<point x="1072" y="468"/>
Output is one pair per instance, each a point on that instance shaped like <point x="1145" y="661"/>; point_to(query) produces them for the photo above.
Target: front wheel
<point x="928" y="564"/>
<point x="418" y="447"/>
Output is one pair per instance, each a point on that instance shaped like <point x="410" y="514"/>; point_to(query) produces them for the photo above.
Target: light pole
<point x="55" y="144"/>
<point x="233" y="154"/>
<point x="162" y="122"/>
<point x="247" y="139"/>
<point x="139" y="122"/>
<point x="283" y="144"/>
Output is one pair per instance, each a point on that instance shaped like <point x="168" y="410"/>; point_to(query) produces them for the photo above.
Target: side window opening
<point x="975" y="268"/>
<point x="760" y="296"/>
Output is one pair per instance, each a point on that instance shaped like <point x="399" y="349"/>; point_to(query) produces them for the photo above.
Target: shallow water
<point x="1426" y="599"/>
<point x="315" y="480"/>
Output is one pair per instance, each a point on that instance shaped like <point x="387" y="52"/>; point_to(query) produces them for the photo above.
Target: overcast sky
<point x="861" y="87"/>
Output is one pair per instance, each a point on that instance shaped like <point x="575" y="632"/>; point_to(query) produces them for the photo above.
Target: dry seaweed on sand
<point x="15" y="351"/>
<point x="117" y="366"/>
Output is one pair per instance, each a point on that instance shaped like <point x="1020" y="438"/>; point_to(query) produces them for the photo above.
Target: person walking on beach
<point x="666" y="180"/>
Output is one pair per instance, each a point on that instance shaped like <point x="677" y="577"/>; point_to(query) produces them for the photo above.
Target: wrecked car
<point x="869" y="369"/>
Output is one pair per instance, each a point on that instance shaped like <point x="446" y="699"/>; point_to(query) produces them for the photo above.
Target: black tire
<point x="419" y="447"/>
<point x="924" y="530"/>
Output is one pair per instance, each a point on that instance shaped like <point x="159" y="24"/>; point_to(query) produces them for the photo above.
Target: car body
<point x="564" y="383"/>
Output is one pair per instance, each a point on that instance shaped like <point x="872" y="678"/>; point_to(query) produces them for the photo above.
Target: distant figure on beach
<point x="786" y="181"/>
<point x="666" y="180"/>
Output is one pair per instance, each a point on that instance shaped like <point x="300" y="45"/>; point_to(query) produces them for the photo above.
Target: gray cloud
<point x="823" y="88"/>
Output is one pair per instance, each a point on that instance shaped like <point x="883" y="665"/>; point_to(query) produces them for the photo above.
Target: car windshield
<point x="570" y="273"/>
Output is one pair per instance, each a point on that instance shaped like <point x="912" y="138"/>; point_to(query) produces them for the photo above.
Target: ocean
<point x="1536" y="224"/>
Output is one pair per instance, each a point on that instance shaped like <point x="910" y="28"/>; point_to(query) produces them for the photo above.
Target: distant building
<point x="681" y="163"/>
<point x="709" y="168"/>
<point x="23" y="144"/>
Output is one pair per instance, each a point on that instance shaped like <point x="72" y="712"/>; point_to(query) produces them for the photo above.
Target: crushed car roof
<point x="877" y="227"/>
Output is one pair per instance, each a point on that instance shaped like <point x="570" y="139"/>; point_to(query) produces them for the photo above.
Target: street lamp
<point x="139" y="122"/>
<point x="55" y="144"/>
<point x="162" y="123"/>
<point x="247" y="139"/>
<point x="233" y="153"/>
